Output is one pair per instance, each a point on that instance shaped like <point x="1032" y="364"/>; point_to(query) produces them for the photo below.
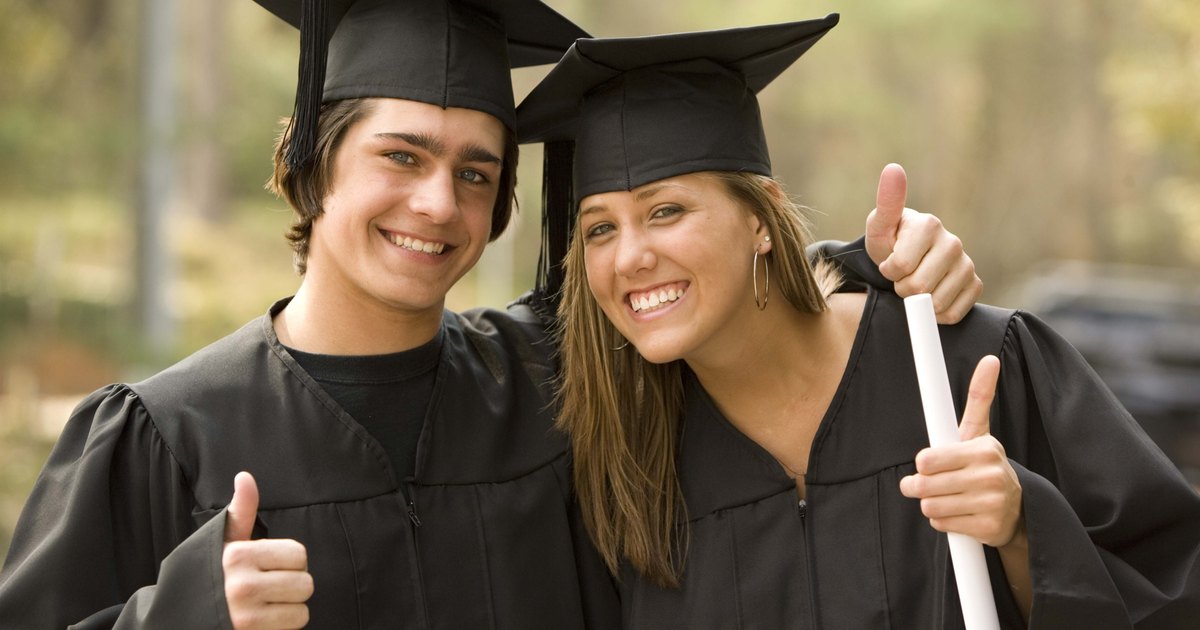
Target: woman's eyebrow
<point x="649" y="192"/>
<point x="654" y="190"/>
<point x="590" y="210"/>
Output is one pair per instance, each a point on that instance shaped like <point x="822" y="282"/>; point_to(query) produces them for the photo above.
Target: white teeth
<point x="417" y="245"/>
<point x="652" y="300"/>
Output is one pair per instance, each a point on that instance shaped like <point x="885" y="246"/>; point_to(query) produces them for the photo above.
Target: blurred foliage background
<point x="1038" y="131"/>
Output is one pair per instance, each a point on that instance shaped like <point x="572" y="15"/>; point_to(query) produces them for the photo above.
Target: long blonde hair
<point x="623" y="413"/>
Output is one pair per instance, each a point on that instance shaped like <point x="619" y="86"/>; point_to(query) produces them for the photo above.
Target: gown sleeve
<point x="107" y="538"/>
<point x="1113" y="527"/>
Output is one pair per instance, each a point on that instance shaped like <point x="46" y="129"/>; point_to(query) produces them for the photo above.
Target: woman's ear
<point x="762" y="230"/>
<point x="762" y="234"/>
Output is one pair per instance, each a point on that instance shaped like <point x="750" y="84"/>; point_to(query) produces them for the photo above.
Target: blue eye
<point x="473" y="176"/>
<point x="600" y="229"/>
<point x="402" y="157"/>
<point x="666" y="211"/>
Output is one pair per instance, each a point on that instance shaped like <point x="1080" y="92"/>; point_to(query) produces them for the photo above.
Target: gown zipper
<point x="802" y="510"/>
<point x="416" y="548"/>
<point x="412" y="507"/>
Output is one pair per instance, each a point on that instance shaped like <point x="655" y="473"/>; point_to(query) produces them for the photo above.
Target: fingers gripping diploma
<point x="969" y="487"/>
<point x="915" y="251"/>
<point x="266" y="581"/>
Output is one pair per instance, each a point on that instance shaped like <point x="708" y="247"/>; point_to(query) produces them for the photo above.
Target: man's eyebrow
<point x="432" y="144"/>
<point x="476" y="153"/>
<point x="420" y="140"/>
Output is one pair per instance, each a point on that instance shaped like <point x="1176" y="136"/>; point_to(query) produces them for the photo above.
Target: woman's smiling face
<point x="670" y="262"/>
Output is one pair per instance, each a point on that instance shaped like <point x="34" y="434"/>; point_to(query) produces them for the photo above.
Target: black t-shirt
<point x="388" y="394"/>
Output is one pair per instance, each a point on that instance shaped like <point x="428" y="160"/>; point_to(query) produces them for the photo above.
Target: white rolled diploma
<point x="966" y="553"/>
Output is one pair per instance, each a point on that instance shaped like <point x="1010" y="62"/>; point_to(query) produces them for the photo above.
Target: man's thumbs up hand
<point x="243" y="508"/>
<point x="916" y="253"/>
<point x="266" y="581"/>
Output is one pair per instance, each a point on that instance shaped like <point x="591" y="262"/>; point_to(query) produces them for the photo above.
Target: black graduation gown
<point x="1114" y="530"/>
<point x="480" y="538"/>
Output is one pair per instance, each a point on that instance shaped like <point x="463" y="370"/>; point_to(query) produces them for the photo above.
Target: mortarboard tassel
<point x="558" y="215"/>
<point x="310" y="84"/>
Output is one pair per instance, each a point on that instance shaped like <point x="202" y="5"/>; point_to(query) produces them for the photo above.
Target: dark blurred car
<point x="1139" y="327"/>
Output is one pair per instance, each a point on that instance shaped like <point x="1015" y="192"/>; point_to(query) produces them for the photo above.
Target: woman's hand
<point x="970" y="487"/>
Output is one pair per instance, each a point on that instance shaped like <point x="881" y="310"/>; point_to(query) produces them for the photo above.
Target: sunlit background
<point x="1060" y="140"/>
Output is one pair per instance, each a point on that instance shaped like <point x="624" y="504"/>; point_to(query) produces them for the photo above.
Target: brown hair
<point x="305" y="189"/>
<point x="623" y="413"/>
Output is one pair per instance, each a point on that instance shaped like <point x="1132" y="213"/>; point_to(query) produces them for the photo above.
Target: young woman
<point x="748" y="441"/>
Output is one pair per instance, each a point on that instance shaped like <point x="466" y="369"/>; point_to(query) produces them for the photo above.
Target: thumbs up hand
<point x="883" y="224"/>
<point x="266" y="581"/>
<point x="970" y="487"/>
<point x="915" y="251"/>
<point x="243" y="508"/>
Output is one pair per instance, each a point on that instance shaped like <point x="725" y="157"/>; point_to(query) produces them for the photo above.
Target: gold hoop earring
<point x="622" y="346"/>
<point x="754" y="280"/>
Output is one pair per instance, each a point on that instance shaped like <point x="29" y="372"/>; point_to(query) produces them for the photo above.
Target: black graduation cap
<point x="450" y="53"/>
<point x="640" y="109"/>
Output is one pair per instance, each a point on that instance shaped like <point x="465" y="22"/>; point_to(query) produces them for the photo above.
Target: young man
<point x="405" y="473"/>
